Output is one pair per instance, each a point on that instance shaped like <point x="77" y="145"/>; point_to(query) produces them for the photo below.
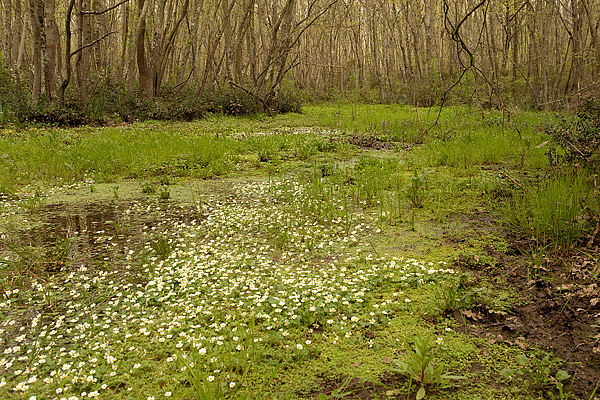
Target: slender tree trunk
<point x="52" y="50"/>
<point x="594" y="28"/>
<point x="7" y="20"/>
<point x="144" y="77"/>
<point x="124" y="64"/>
<point x="82" y="59"/>
<point x="36" y="30"/>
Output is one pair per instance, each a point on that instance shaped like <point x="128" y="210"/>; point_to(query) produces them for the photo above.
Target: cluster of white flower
<point x="249" y="268"/>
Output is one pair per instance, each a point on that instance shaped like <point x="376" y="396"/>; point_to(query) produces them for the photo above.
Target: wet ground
<point x="558" y="309"/>
<point x="65" y="236"/>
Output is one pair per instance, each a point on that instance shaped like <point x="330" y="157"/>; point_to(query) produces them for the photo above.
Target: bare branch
<point x="264" y="103"/>
<point x="105" y="10"/>
<point x="180" y="85"/>
<point x="92" y="43"/>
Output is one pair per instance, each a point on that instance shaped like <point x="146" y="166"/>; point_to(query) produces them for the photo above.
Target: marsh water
<point x="97" y="232"/>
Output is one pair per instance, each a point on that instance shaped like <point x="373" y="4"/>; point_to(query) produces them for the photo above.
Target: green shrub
<point x="580" y="137"/>
<point x="51" y="113"/>
<point x="230" y="102"/>
<point x="108" y="102"/>
<point x="286" y="102"/>
<point x="12" y="105"/>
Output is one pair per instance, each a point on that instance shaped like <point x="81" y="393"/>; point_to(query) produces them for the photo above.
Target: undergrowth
<point x="107" y="103"/>
<point x="559" y="211"/>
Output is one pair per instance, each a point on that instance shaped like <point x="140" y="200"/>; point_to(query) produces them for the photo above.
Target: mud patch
<point x="370" y="142"/>
<point x="559" y="313"/>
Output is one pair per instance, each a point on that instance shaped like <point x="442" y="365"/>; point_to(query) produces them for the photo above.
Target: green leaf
<point x="508" y="373"/>
<point x="546" y="360"/>
<point x="421" y="393"/>
<point x="523" y="360"/>
<point x="562" y="375"/>
<point x="322" y="397"/>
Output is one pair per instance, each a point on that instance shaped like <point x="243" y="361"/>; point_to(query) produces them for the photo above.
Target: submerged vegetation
<point x="352" y="251"/>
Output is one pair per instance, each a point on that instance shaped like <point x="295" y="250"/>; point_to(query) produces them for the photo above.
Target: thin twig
<point x="572" y="94"/>
<point x="105" y="10"/>
<point x="232" y="83"/>
<point x="178" y="87"/>
<point x="512" y="179"/>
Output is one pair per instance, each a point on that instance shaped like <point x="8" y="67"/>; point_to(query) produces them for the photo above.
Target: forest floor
<point x="346" y="252"/>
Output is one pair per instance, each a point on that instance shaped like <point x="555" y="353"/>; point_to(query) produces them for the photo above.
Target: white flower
<point x="299" y="346"/>
<point x="210" y="378"/>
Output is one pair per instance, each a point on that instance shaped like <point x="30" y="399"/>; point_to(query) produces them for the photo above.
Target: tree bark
<point x="52" y="50"/>
<point x="37" y="21"/>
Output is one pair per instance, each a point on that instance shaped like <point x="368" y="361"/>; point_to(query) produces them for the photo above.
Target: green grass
<point x="554" y="211"/>
<point x="206" y="147"/>
<point x="483" y="148"/>
<point x="462" y="136"/>
<point x="110" y="153"/>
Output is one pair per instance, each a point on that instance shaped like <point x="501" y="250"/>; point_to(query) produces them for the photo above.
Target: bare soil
<point x="559" y="309"/>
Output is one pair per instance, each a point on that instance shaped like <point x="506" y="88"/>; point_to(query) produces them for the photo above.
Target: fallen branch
<point x="511" y="178"/>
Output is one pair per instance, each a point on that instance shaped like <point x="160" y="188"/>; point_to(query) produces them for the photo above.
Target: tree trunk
<point x="52" y="50"/>
<point x="82" y="58"/>
<point x="37" y="21"/>
<point x="7" y="19"/>
<point x="144" y="78"/>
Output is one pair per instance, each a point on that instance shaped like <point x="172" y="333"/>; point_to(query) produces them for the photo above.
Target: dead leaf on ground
<point x="499" y="339"/>
<point x="473" y="315"/>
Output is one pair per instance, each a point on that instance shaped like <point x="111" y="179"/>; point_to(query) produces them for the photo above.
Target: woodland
<point x="534" y="53"/>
